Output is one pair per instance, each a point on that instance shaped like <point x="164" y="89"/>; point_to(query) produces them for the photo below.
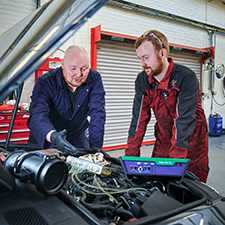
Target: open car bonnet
<point x="30" y="42"/>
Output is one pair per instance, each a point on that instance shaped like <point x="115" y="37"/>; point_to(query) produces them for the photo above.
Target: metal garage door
<point x="119" y="66"/>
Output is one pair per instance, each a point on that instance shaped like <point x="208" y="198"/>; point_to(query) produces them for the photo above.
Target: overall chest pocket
<point x="171" y="102"/>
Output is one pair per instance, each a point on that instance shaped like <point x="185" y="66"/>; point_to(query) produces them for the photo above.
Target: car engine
<point x="101" y="184"/>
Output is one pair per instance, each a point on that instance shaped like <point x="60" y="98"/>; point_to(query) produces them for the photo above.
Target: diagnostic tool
<point x="167" y="167"/>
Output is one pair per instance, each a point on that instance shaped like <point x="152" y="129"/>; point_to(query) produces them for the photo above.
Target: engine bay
<point x="101" y="185"/>
<point x="116" y="197"/>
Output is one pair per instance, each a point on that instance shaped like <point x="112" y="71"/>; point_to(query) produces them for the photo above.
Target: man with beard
<point x="172" y="92"/>
<point x="62" y="101"/>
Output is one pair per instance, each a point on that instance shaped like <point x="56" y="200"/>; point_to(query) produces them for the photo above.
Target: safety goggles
<point x="146" y="34"/>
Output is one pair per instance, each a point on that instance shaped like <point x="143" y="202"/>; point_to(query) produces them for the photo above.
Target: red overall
<point x="181" y="127"/>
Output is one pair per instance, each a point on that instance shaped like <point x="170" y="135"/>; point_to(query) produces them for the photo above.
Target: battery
<point x="215" y="125"/>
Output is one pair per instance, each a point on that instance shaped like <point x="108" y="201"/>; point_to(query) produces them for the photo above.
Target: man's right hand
<point x="59" y="138"/>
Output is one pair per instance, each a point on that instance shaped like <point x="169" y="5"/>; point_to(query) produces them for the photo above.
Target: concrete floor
<point x="216" y="178"/>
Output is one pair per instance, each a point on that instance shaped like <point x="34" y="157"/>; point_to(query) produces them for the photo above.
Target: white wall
<point x="132" y="23"/>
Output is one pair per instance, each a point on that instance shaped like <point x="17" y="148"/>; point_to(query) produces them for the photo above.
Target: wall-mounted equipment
<point x="220" y="70"/>
<point x="209" y="63"/>
<point x="223" y="86"/>
<point x="209" y="66"/>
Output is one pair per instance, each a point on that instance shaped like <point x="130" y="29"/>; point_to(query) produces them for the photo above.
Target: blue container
<point x="215" y="125"/>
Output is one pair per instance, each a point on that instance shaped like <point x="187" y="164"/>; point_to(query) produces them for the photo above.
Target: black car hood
<point x="30" y="42"/>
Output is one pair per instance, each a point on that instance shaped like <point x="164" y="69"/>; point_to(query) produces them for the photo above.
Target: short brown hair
<point x="158" y="39"/>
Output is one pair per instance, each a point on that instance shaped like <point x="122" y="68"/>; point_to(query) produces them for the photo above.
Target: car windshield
<point x="30" y="42"/>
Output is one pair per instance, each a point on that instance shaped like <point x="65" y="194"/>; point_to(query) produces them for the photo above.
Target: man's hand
<point x="59" y="138"/>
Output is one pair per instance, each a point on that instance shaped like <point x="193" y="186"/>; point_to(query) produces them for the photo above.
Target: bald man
<point x="63" y="99"/>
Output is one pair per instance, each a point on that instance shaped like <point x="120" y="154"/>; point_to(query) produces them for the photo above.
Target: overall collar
<point x="163" y="84"/>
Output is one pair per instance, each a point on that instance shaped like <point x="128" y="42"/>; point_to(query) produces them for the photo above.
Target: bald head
<point x="75" y="65"/>
<point x="75" y="50"/>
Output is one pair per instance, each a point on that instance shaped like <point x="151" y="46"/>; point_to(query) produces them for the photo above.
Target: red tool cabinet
<point x="20" y="132"/>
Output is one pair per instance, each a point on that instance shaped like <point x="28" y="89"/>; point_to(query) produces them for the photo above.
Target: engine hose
<point x="97" y="207"/>
<point x="119" y="188"/>
<point x="124" y="184"/>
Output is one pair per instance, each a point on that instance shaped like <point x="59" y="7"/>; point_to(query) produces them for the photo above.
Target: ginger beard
<point x="154" y="72"/>
<point x="74" y="81"/>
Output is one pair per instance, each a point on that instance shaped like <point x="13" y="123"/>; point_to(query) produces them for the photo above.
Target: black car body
<point x="40" y="186"/>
